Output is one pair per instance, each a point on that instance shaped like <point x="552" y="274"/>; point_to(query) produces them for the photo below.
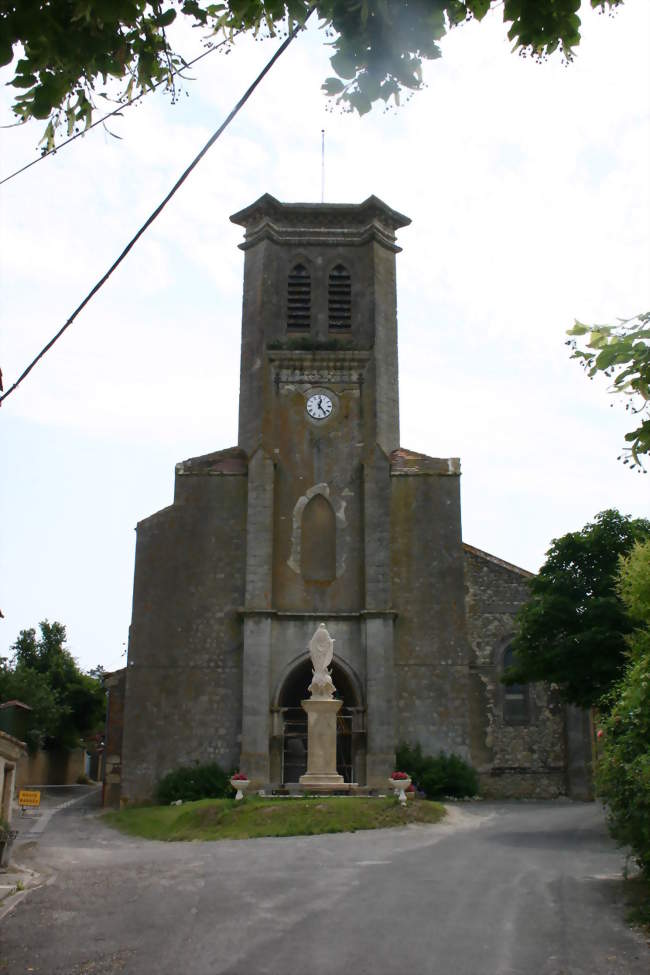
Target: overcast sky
<point x="527" y="186"/>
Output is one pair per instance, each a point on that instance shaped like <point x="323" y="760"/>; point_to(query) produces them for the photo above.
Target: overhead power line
<point x="116" y="111"/>
<point x="177" y="185"/>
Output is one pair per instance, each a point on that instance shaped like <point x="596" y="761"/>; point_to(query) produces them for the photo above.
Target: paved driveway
<point x="499" y="889"/>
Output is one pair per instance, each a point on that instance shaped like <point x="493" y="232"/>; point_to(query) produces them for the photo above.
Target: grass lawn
<point x="225" y="819"/>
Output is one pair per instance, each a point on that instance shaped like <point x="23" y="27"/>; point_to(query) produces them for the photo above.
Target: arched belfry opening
<point x="318" y="541"/>
<point x="339" y="298"/>
<point x="350" y="728"/>
<point x="299" y="299"/>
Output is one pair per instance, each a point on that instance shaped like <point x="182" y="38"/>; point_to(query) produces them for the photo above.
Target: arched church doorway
<point x="350" y="728"/>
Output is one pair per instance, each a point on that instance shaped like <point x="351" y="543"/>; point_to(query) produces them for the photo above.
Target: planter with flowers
<point x="400" y="781"/>
<point x="240" y="783"/>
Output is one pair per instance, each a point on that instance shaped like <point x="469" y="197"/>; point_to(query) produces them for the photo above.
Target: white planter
<point x="240" y="785"/>
<point x="400" y="786"/>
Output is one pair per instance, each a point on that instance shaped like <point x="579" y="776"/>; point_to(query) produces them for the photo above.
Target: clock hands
<point x="319" y="406"/>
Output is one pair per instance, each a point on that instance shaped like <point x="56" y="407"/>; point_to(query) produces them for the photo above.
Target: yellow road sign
<point x="29" y="797"/>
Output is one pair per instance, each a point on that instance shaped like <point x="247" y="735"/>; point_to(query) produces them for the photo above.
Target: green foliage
<point x="572" y="631"/>
<point x="623" y="772"/>
<point x="438" y="777"/>
<point x="222" y="819"/>
<point x="67" y="704"/>
<point x="622" y="353"/>
<point x="193" y="782"/>
<point x="73" y="49"/>
<point x="633" y="583"/>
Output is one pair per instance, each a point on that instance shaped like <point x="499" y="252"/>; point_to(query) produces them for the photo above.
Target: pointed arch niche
<point x="318" y="541"/>
<point x="318" y="536"/>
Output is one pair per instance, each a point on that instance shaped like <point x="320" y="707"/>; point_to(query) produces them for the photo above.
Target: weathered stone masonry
<point x="324" y="518"/>
<point x="522" y="757"/>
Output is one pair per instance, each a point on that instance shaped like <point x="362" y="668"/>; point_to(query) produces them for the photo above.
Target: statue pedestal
<point x="321" y="744"/>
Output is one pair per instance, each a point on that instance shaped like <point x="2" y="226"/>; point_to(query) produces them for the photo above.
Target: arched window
<point x="299" y="299"/>
<point x="339" y="298"/>
<point x="318" y="541"/>
<point x="515" y="696"/>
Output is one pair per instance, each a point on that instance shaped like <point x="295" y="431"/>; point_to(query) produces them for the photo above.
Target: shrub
<point x="439" y="776"/>
<point x="193" y="782"/>
<point x="623" y="772"/>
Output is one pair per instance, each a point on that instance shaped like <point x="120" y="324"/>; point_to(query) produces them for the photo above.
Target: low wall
<point x="51" y="768"/>
<point x="515" y="784"/>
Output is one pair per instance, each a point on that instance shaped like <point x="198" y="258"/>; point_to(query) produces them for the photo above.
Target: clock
<point x="319" y="406"/>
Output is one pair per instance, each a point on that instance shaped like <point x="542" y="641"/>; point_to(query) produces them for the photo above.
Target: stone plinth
<point x="321" y="744"/>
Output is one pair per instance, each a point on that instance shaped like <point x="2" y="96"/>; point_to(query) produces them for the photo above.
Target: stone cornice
<point x="317" y="615"/>
<point x="409" y="463"/>
<point x="335" y="224"/>
<point x="232" y="460"/>
<point x="336" y="366"/>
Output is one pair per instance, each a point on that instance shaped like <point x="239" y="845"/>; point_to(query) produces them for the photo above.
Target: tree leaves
<point x="66" y="703"/>
<point x="80" y="46"/>
<point x="573" y="631"/>
<point x="622" y="353"/>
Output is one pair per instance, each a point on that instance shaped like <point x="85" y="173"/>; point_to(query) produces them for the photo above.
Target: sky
<point x="527" y="185"/>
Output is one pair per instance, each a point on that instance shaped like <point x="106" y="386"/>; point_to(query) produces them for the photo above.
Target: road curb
<point x="27" y="878"/>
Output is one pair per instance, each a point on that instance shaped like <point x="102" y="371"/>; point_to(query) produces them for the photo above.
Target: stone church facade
<point x="319" y="515"/>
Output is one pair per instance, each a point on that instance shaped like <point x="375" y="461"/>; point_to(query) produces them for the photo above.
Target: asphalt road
<point x="499" y="889"/>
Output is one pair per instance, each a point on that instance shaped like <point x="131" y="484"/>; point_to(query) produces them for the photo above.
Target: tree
<point x="70" y="49"/>
<point x="623" y="771"/>
<point x="67" y="704"/>
<point x="573" y="630"/>
<point x="622" y="353"/>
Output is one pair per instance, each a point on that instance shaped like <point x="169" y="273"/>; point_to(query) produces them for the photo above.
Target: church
<point x="319" y="515"/>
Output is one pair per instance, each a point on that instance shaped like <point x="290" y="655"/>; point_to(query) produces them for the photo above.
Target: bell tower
<point x="318" y="279"/>
<point x="318" y="420"/>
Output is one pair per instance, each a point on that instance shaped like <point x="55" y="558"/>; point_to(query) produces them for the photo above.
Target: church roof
<point x="232" y="460"/>
<point x="497" y="561"/>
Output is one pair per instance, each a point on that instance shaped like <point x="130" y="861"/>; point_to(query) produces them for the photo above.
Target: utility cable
<point x="116" y="111"/>
<point x="211" y="141"/>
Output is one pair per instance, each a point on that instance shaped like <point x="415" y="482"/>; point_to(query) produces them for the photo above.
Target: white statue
<point x="321" y="651"/>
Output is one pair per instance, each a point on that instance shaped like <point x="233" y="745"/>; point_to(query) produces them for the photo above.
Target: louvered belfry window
<point x="299" y="299"/>
<point x="339" y="298"/>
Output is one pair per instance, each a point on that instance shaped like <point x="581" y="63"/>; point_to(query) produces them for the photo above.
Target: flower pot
<point x="400" y="785"/>
<point x="240" y="785"/>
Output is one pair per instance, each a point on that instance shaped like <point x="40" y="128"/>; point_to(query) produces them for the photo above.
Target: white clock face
<point x="319" y="406"/>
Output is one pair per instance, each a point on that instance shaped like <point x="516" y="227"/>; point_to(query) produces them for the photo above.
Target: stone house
<point x="12" y="751"/>
<point x="320" y="515"/>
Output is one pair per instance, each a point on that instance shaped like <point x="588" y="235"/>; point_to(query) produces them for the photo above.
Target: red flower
<point x="600" y="733"/>
<point x="399" y="775"/>
<point x="239" y="777"/>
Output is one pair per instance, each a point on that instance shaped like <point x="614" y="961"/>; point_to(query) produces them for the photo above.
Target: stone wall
<point x="514" y="759"/>
<point x="183" y="691"/>
<point x="115" y="684"/>
<point x="12" y="756"/>
<point x="427" y="589"/>
<point x="59" y="767"/>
